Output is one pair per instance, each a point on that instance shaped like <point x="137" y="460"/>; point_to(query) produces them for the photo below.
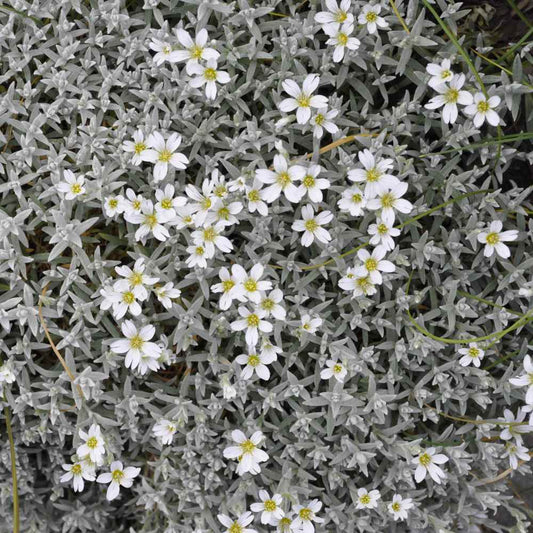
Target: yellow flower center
<point x="165" y="155"/>
<point x="166" y="203"/>
<point x="75" y="188"/>
<point x="270" y="505"/>
<point x="308" y="181"/>
<point x="319" y="119"/>
<point x="473" y="352"/>
<point x="253" y="320"/>
<point x="425" y="459"/>
<point x="268" y="304"/>
<point x="357" y="198"/>
<point x="136" y="279"/>
<point x="371" y="17"/>
<point x="128" y="298"/>
<point x="364" y="284"/>
<point x="210" y="74"/>
<point x="113" y="203"/>
<point x="306" y="326"/>
<point x="139" y="147"/>
<point x="253" y="196"/>
<point x="383" y="229"/>
<point x="342" y="39"/>
<point x="372" y="175"/>
<point x="445" y="74"/>
<point x="136" y="204"/>
<point x="206" y="203"/>
<point x="341" y="16"/>
<point x="387" y="200"/>
<point x="451" y="96"/>
<point x="220" y="191"/>
<point x="76" y="469"/>
<point x="136" y="342"/>
<point x="396" y="507"/>
<point x="223" y="213"/>
<point x="250" y="285"/>
<point x="483" y="106"/>
<point x="284" y="179"/>
<point x="365" y="499"/>
<point x="166" y="49"/>
<point x="371" y="264"/>
<point x="210" y="234"/>
<point x="235" y="528"/>
<point x="303" y="100"/>
<point x="117" y="475"/>
<point x="196" y="52"/>
<point x="253" y="360"/>
<point x="493" y="239"/>
<point x="199" y="250"/>
<point x="311" y="225"/>
<point x="337" y="368"/>
<point x="228" y="285"/>
<point x="247" y="446"/>
<point x="150" y="221"/>
<point x="92" y="442"/>
<point x="305" y="514"/>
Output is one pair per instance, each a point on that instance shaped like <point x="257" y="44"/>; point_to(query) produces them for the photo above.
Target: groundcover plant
<point x="265" y="266"/>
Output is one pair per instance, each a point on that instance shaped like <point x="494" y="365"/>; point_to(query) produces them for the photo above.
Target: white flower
<point x="306" y="515"/>
<point x="230" y="287"/>
<point x="117" y="477"/>
<point x="6" y="373"/>
<point x="72" y="186"/>
<point x="163" y="153"/>
<point x="357" y="281"/>
<point x="136" y="278"/>
<point x="148" y="363"/>
<point x="255" y="363"/>
<point x="93" y="445"/>
<point x="382" y="234"/>
<point x="209" y="76"/>
<point x="167" y="203"/>
<point x="114" y="205"/>
<point x="483" y="109"/>
<point x="335" y="15"/>
<point x="164" y="53"/>
<point x="515" y="427"/>
<point x="310" y="325"/>
<point x="252" y="283"/>
<point x="340" y="38"/>
<point x="353" y="200"/>
<point x="271" y="304"/>
<point x="203" y="201"/>
<point x="311" y="225"/>
<point x="256" y="198"/>
<point x="426" y="462"/>
<point x="166" y="294"/>
<point x="370" y="16"/>
<point x="286" y="524"/>
<point x="302" y="99"/>
<point x="197" y="256"/>
<point x="123" y="299"/>
<point x="391" y="201"/>
<point x="516" y="451"/>
<point x="374" y="264"/>
<point x="334" y="369"/>
<point x="247" y="452"/>
<point x="450" y="95"/>
<point x="270" y="508"/>
<point x="165" y="430"/>
<point x="210" y="237"/>
<point x="151" y="221"/>
<point x="321" y="120"/>
<point x="312" y="185"/>
<point x="77" y="472"/>
<point x="253" y="323"/>
<point x="184" y="217"/>
<point x="228" y="390"/>
<point x="137" y="147"/>
<point x="196" y="50"/>
<point x="132" y="204"/>
<point x="526" y="380"/>
<point x="239" y="525"/>
<point x="224" y="213"/>
<point x="374" y="175"/>
<point x="440" y="74"/>
<point x="367" y="500"/>
<point x="136" y="344"/>
<point x="494" y="238"/>
<point x="472" y="354"/>
<point x="281" y="179"/>
<point x="399" y="507"/>
<point x="269" y="350"/>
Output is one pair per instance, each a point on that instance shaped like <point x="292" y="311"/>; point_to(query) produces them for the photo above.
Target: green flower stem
<point x="16" y="512"/>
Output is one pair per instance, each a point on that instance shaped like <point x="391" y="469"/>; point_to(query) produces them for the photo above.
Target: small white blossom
<point x="369" y="16"/>
<point x="255" y="363"/>
<point x="515" y="427"/>
<point x="271" y="304"/>
<point x="151" y="222"/>
<point x="166" y="294"/>
<point x="516" y="452"/>
<point x="73" y="186"/>
<point x="302" y="99"/>
<point x="252" y="283"/>
<point x="253" y="322"/>
<point x="208" y="75"/>
<point x="136" y="278"/>
<point x="471" y="355"/>
<point x="427" y="462"/>
<point x="526" y="380"/>
<point x="118" y="477"/>
<point x="334" y="369"/>
<point x="269" y="507"/>
<point x="382" y="234"/>
<point x="77" y="472"/>
<point x="230" y="286"/>
<point x="374" y="264"/>
<point x="163" y="153"/>
<point x="165" y="430"/>
<point x="93" y="444"/>
<point x="399" y="506"/>
<point x="195" y="50"/>
<point x="281" y="180"/>
<point x="494" y="238"/>
<point x="322" y="120"/>
<point x="483" y="109"/>
<point x="312" y="185"/>
<point x="306" y="516"/>
<point x="366" y="499"/>
<point x="358" y="282"/>
<point x="247" y="452"/>
<point x="164" y="52"/>
<point x="341" y="39"/>
<point x="353" y="201"/>
<point x="239" y="525"/>
<point x="114" y="205"/>
<point x="210" y="237"/>
<point x="336" y="14"/>
<point x="440" y="74"/>
<point x="310" y="325"/>
<point x="375" y="174"/>
<point x="137" y="147"/>
<point x="449" y="96"/>
<point x="311" y="225"/>
<point x="388" y="202"/>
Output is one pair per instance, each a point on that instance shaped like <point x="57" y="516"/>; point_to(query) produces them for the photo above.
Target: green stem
<point x="523" y="18"/>
<point x="501" y="360"/>
<point x="16" y="514"/>
<point x="516" y="46"/>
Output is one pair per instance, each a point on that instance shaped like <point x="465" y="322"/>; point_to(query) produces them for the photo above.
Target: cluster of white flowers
<point x="91" y="455"/>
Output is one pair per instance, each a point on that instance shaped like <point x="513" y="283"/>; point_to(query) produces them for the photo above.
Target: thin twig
<point x="16" y="512"/>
